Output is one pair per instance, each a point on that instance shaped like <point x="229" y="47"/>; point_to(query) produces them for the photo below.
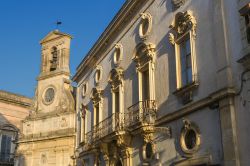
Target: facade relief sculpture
<point x="178" y="3"/>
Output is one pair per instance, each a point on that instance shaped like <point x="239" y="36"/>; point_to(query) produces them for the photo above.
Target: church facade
<point x="167" y="83"/>
<point x="48" y="134"/>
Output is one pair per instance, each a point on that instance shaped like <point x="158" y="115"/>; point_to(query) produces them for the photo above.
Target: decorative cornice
<point x="40" y="116"/>
<point x="15" y="99"/>
<point x="52" y="74"/>
<point x="122" y="18"/>
<point x="177" y="3"/>
<point x="48" y="136"/>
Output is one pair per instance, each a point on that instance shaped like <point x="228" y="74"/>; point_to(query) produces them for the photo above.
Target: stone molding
<point x="55" y="32"/>
<point x="40" y="116"/>
<point x="116" y="77"/>
<point x="11" y="98"/>
<point x="184" y="22"/>
<point x="146" y="18"/>
<point x="177" y="3"/>
<point x="143" y="54"/>
<point x="44" y="76"/>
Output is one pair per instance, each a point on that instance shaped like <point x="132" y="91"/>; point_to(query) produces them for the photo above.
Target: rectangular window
<point x="5" y="147"/>
<point x="145" y="85"/>
<point x="117" y="101"/>
<point x="96" y="114"/>
<point x="186" y="62"/>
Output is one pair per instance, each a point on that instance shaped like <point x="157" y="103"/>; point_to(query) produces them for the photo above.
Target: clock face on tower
<point x="49" y="95"/>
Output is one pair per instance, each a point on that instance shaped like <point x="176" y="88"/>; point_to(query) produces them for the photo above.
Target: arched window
<point x="54" y="59"/>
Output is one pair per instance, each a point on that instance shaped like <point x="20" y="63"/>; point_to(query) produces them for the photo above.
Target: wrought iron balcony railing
<point x="109" y="125"/>
<point x="143" y="112"/>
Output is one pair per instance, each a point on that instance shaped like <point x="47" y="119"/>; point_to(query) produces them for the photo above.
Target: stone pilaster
<point x="228" y="131"/>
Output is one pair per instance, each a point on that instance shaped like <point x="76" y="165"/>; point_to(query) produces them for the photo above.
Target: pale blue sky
<point x="23" y="23"/>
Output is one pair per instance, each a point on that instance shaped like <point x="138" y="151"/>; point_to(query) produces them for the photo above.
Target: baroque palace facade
<point x="167" y="83"/>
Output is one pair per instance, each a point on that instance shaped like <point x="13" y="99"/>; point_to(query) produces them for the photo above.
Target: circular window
<point x="190" y="139"/>
<point x="98" y="74"/>
<point x="145" y="25"/>
<point x="49" y="95"/>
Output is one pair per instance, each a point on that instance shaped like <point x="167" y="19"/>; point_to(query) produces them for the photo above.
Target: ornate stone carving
<point x="64" y="122"/>
<point x="84" y="88"/>
<point x="116" y="77"/>
<point x="123" y="140"/>
<point x="183" y="23"/>
<point x="43" y="159"/>
<point x="96" y="95"/>
<point x="98" y="74"/>
<point x="190" y="138"/>
<point x="177" y="3"/>
<point x="144" y="53"/>
<point x="118" y="54"/>
<point x="145" y="26"/>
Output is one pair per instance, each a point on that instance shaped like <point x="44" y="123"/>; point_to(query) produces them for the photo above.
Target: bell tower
<point x="50" y="129"/>
<point x="53" y="92"/>
<point x="55" y="53"/>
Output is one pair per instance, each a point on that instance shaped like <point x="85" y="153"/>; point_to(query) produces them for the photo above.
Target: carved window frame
<point x="44" y="93"/>
<point x="117" y="84"/>
<point x="99" y="71"/>
<point x="144" y="57"/>
<point x="83" y="116"/>
<point x="84" y="89"/>
<point x="97" y="99"/>
<point x="146" y="18"/>
<point x="118" y="54"/>
<point x="184" y="26"/>
<point x="190" y="126"/>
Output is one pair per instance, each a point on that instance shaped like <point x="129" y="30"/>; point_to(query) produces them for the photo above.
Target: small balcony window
<point x="117" y="101"/>
<point x="96" y="114"/>
<point x="145" y="85"/>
